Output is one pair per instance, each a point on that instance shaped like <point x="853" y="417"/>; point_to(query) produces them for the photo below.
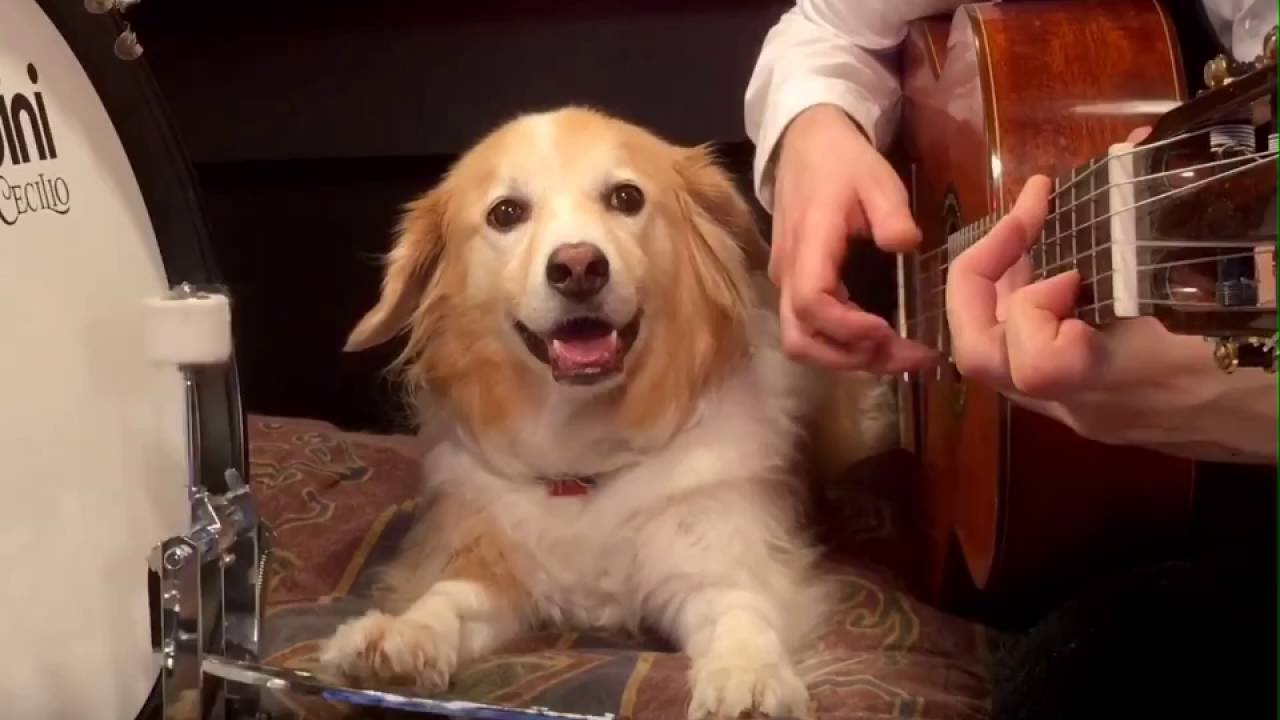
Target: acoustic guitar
<point x="1181" y="227"/>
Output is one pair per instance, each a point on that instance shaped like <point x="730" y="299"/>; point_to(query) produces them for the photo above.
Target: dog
<point x="613" y="436"/>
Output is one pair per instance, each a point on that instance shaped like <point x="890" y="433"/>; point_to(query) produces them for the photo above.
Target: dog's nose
<point x="578" y="271"/>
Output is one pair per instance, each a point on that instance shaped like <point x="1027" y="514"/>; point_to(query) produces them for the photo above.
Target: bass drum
<point x="98" y="213"/>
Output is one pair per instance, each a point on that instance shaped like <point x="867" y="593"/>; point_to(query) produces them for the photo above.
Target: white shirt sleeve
<point x="843" y="53"/>
<point x="838" y="52"/>
<point x="1241" y="24"/>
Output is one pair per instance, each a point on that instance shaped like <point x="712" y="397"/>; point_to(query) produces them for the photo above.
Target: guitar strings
<point x="1144" y="301"/>
<point x="937" y="306"/>
<point x="1100" y="163"/>
<point x="1097" y="163"/>
<point x="1153" y="266"/>
<point x="1167" y="302"/>
<point x="1094" y="166"/>
<point x="1254" y="161"/>
<point x="1260" y="158"/>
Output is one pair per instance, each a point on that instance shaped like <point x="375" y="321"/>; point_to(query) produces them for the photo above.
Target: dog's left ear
<point x="713" y="192"/>
<point x="410" y="267"/>
<point x="728" y="244"/>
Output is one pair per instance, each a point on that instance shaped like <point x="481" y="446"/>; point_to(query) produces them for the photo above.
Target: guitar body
<point x="1009" y="501"/>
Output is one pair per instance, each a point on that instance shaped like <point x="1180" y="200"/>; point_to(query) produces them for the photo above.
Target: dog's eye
<point x="507" y="213"/>
<point x="626" y="198"/>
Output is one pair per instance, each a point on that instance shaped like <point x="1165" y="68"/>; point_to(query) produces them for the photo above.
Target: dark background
<point x="310" y="122"/>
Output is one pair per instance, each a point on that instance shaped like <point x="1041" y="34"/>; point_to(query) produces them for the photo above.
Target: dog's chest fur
<point x="600" y="559"/>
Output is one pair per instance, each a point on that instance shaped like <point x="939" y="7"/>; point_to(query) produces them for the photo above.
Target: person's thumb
<point x="889" y="217"/>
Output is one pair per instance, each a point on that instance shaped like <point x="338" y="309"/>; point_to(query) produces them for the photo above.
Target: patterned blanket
<point x="339" y="502"/>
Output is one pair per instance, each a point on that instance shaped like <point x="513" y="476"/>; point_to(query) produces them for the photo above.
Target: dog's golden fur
<point x="695" y="527"/>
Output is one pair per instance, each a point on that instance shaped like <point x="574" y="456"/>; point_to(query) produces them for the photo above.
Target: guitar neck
<point x="1076" y="233"/>
<point x="1182" y="233"/>
<point x="1076" y="236"/>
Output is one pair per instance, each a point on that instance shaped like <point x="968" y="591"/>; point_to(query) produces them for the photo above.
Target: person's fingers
<point x="785" y="236"/>
<point x="799" y="343"/>
<point x="1017" y="276"/>
<point x="1050" y="352"/>
<point x="815" y="284"/>
<point x="873" y="347"/>
<point x="811" y="350"/>
<point x="1002" y="248"/>
<point x="846" y="324"/>
<point x="1049" y="408"/>
<point x="885" y="352"/>
<point x="978" y="340"/>
<point x="900" y="355"/>
<point x="885" y="206"/>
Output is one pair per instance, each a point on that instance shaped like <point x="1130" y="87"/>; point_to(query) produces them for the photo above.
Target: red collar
<point x="571" y="486"/>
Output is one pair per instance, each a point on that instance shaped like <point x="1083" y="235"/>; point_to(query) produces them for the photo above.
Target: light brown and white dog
<point x="613" y="437"/>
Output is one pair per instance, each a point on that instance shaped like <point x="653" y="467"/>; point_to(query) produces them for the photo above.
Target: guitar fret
<point x="1043" y="260"/>
<point x="1096" y="300"/>
<point x="917" y="307"/>
<point x="1054" y="208"/>
<point x="940" y="320"/>
<point x="1051" y="249"/>
<point x="1070" y="223"/>
<point x="1075" y="252"/>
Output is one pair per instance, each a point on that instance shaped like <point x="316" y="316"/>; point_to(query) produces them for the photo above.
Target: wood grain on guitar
<point x="1014" y="501"/>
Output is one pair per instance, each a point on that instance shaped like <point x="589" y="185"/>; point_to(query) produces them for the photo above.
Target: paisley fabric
<point x="339" y="502"/>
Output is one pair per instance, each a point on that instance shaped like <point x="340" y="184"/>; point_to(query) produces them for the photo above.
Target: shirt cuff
<point x="794" y="98"/>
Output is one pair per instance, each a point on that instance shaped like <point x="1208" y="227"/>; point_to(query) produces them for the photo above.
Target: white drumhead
<point x="90" y="431"/>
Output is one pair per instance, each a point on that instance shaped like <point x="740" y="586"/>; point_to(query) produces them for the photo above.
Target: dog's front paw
<point x="731" y="686"/>
<point x="381" y="651"/>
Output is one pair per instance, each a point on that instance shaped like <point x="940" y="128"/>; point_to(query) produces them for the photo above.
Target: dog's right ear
<point x="409" y="268"/>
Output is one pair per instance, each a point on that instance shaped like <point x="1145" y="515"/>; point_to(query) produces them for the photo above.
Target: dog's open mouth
<point x="582" y="350"/>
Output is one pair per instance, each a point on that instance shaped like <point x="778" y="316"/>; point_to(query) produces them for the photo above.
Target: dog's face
<point x="570" y="252"/>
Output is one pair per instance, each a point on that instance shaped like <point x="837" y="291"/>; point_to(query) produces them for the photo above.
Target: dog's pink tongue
<point x="584" y="355"/>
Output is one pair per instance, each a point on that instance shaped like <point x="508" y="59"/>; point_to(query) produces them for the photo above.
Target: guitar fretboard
<point x="1076" y="236"/>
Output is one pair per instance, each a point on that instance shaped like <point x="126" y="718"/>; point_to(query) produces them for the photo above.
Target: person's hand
<point x="830" y="185"/>
<point x="1134" y="383"/>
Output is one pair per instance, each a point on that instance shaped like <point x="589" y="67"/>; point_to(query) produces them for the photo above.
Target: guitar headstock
<point x="1201" y="215"/>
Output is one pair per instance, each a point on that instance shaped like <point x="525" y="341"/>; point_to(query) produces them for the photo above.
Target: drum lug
<point x="102" y="7"/>
<point x="178" y="615"/>
<point x="205" y="590"/>
<point x="126" y="46"/>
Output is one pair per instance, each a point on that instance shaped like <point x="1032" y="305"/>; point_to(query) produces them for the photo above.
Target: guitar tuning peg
<point x="126" y="46"/>
<point x="1217" y="72"/>
<point x="1230" y="354"/>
